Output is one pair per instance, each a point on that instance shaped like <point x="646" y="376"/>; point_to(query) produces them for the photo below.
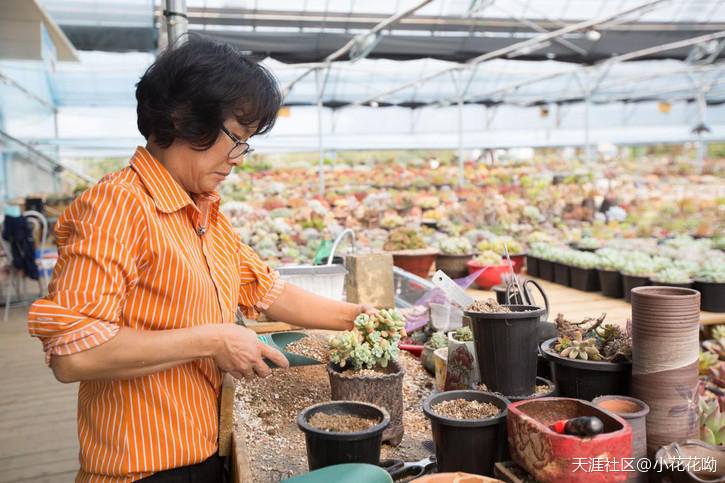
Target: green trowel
<point x="279" y="341"/>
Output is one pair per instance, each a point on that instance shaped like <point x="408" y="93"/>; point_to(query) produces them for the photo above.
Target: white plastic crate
<point x="325" y="280"/>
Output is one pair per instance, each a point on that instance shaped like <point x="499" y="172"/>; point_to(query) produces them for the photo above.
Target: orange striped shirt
<point x="133" y="253"/>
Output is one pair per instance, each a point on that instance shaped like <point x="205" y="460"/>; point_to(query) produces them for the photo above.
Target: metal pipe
<point x="587" y="120"/>
<point x="460" y="143"/>
<point x="346" y="231"/>
<point x="318" y="79"/>
<point x="177" y="22"/>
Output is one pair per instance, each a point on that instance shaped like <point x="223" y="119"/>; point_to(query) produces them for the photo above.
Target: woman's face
<point x="201" y="171"/>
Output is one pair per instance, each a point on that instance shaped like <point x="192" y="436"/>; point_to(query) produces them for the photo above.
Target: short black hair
<point x="192" y="88"/>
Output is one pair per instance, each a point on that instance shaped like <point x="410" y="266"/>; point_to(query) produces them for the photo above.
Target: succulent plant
<point x="718" y="332"/>
<point x="706" y="361"/>
<point x="404" y="239"/>
<point x="581" y="348"/>
<point x="583" y="259"/>
<point x="712" y="272"/>
<point x="718" y="374"/>
<point x="611" y="342"/>
<point x="489" y="257"/>
<point x="638" y="268"/>
<point x="463" y="334"/>
<point x="514" y="247"/>
<point x="589" y="243"/>
<point x="608" y="331"/>
<point x="712" y="423"/>
<point x="374" y="339"/>
<point x="438" y="340"/>
<point x="538" y="237"/>
<point x="456" y="246"/>
<point x="672" y="275"/>
<point x="391" y="220"/>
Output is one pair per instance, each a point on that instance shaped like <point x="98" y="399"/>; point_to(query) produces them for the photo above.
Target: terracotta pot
<point x="665" y="351"/>
<point x="673" y="458"/>
<point x="385" y="391"/>
<point x="549" y="456"/>
<point x="416" y="264"/>
<point x="454" y="478"/>
<point x="635" y="413"/>
<point x="453" y="265"/>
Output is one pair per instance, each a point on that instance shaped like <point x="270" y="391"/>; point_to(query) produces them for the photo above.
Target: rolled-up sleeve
<point x="260" y="285"/>
<point x="98" y="246"/>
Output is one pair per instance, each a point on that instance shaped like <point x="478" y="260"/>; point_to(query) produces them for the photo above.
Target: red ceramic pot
<point x="517" y="261"/>
<point x="490" y="277"/>
<point x="550" y="456"/>
<point x="416" y="264"/>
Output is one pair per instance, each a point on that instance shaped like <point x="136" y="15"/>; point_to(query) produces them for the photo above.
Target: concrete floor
<point x="38" y="440"/>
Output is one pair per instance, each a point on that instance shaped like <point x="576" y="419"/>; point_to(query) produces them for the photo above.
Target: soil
<point x="620" y="406"/>
<point x="365" y="372"/>
<point x="487" y="306"/>
<point x="265" y="412"/>
<point x="341" y="423"/>
<point x="312" y="347"/>
<point x="521" y="474"/>
<point x="540" y="389"/>
<point x="462" y="409"/>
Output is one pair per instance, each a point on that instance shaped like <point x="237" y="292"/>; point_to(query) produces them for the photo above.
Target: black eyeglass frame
<point x="237" y="143"/>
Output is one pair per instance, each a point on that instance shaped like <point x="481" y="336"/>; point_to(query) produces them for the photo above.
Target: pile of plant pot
<point x="583" y="271"/>
<point x="589" y="358"/>
<point x="493" y="265"/>
<point x="610" y="278"/>
<point x="363" y="366"/>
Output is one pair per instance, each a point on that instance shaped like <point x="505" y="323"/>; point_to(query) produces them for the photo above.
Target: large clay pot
<point x="665" y="352"/>
<point x="635" y="413"/>
<point x="416" y="263"/>
<point x="489" y="277"/>
<point x="384" y="390"/>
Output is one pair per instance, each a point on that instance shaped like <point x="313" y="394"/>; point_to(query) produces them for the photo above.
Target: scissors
<point x="400" y="470"/>
<point x="524" y="296"/>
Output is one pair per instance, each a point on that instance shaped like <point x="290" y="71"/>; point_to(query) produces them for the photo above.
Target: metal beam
<point x="355" y="40"/>
<point x="11" y="82"/>
<point x="530" y="43"/>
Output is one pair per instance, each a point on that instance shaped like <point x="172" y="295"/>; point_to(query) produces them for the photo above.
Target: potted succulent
<point x="610" y="263"/>
<point x="437" y="340"/>
<point x="584" y="275"/>
<point x="712" y="422"/>
<point x="671" y="277"/>
<point x="462" y="368"/>
<point x="454" y="253"/>
<point x="635" y="273"/>
<point x="588" y="244"/>
<point x="494" y="265"/>
<point x="469" y="430"/>
<point x="562" y="266"/>
<point x="515" y="250"/>
<point x="410" y="252"/>
<point x="363" y="366"/>
<point x="542" y="255"/>
<point x="589" y="359"/>
<point x="710" y="282"/>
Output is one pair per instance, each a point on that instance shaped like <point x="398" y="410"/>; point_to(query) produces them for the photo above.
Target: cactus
<point x="373" y="340"/>
<point x="712" y="423"/>
<point x="581" y="348"/>
<point x="463" y="334"/>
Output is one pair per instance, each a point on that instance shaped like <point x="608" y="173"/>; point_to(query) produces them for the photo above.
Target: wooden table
<point x="576" y="305"/>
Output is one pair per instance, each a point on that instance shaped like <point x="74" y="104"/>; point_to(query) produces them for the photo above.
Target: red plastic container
<point x="517" y="261"/>
<point x="413" y="349"/>
<point x="549" y="456"/>
<point x="490" y="277"/>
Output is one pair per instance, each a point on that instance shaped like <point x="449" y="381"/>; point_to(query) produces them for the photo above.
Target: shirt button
<point x="201" y="230"/>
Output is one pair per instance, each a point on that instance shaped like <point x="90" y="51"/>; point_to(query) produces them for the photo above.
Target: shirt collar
<point x="166" y="192"/>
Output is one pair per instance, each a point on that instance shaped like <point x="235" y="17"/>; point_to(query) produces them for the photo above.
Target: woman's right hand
<point x="239" y="352"/>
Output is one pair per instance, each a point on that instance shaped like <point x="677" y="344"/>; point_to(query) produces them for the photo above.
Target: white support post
<point x="321" y="167"/>
<point x="701" y="143"/>
<point x="460" y="142"/>
<point x="587" y="110"/>
<point x="176" y="21"/>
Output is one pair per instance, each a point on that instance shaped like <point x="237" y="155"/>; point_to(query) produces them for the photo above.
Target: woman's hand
<point x="240" y="353"/>
<point x="368" y="309"/>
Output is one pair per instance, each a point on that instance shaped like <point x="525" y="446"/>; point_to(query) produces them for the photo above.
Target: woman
<point x="142" y="303"/>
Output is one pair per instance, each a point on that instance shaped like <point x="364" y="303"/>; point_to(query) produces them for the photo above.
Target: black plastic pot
<point x="532" y="266"/>
<point x="712" y="296"/>
<point x="656" y="283"/>
<point x="585" y="279"/>
<point x="467" y="445"/>
<point x="562" y="274"/>
<point x="587" y="379"/>
<point x="629" y="282"/>
<point x="500" y="291"/>
<point x="610" y="282"/>
<point x="326" y="449"/>
<point x="539" y="382"/>
<point x="506" y="348"/>
<point x="546" y="270"/>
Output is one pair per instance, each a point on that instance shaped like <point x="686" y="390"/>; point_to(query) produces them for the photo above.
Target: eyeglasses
<point x="240" y="148"/>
